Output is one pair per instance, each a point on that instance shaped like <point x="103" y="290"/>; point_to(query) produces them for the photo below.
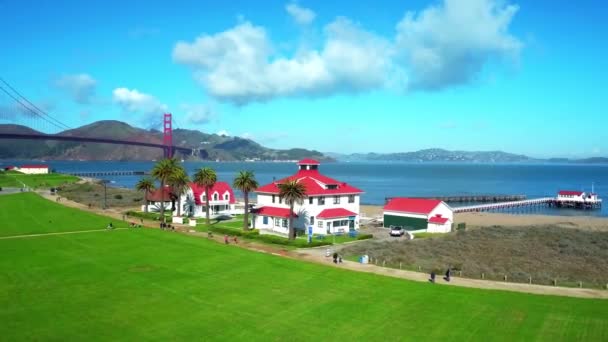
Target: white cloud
<point x="81" y="87"/>
<point x="223" y="132"/>
<point x="443" y="45"/>
<point x="247" y="135"/>
<point x="136" y="102"/>
<point x="198" y="114"/>
<point x="449" y="44"/>
<point x="301" y="15"/>
<point x="237" y="65"/>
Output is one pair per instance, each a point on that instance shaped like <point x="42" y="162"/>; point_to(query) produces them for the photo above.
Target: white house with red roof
<point x="34" y="169"/>
<point x="417" y="214"/>
<point x="581" y="197"/>
<point x="221" y="200"/>
<point x="330" y="206"/>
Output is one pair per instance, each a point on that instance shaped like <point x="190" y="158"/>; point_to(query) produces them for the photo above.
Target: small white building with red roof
<point x="330" y="206"/>
<point x="192" y="202"/>
<point x="221" y="200"/>
<point x="34" y="169"/>
<point x="418" y="214"/>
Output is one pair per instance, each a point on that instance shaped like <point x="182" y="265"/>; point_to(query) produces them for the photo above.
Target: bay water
<point x="385" y="179"/>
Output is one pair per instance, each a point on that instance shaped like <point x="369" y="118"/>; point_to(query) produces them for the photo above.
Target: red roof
<point x="334" y="213"/>
<point x="274" y="212"/>
<point x="155" y="195"/>
<point x="314" y="182"/>
<point x="570" y="193"/>
<point x="308" y="161"/>
<point x="438" y="219"/>
<point x="35" y="166"/>
<point x="412" y="205"/>
<point x="220" y="187"/>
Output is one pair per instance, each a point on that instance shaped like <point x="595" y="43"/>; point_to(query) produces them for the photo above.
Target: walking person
<point x="432" y="279"/>
<point x="335" y="258"/>
<point x="447" y="275"/>
<point x="226" y="241"/>
<point x="236" y="241"/>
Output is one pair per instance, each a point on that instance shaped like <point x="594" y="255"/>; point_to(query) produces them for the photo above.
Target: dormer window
<point x="226" y="197"/>
<point x="332" y="186"/>
<point x="216" y="197"/>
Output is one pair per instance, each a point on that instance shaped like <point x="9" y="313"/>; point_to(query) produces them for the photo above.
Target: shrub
<point x="118" y="196"/>
<point x="364" y="236"/>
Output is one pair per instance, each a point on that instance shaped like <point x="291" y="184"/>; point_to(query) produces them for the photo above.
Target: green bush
<point x="364" y="236"/>
<point x="118" y="196"/>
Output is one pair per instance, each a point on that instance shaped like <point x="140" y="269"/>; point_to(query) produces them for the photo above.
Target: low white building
<point x="34" y="169"/>
<point x="192" y="203"/>
<point x="330" y="206"/>
<point x="419" y="215"/>
<point x="221" y="201"/>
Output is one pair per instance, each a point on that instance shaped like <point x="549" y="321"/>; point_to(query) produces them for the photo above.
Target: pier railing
<point x="473" y="198"/>
<point x="504" y="205"/>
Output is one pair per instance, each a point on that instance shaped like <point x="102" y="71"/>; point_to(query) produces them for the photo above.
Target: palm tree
<point x="162" y="171"/>
<point x="245" y="181"/>
<point x="292" y="192"/>
<point x="206" y="178"/>
<point x="179" y="183"/>
<point x="146" y="185"/>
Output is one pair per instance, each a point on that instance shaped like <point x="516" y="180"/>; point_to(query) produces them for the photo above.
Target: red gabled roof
<point x="34" y="166"/>
<point x="334" y="213"/>
<point x="274" y="212"/>
<point x="438" y="219"/>
<point x="314" y="182"/>
<point x="570" y="193"/>
<point x="220" y="187"/>
<point x="155" y="195"/>
<point x="412" y="205"/>
<point x="308" y="161"/>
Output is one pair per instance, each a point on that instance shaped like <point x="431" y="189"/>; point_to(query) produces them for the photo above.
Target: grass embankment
<point x="93" y="194"/>
<point x="235" y="227"/>
<point x="154" y="285"/>
<point x="18" y="180"/>
<point x="546" y="254"/>
<point x="28" y="213"/>
<point x="151" y="284"/>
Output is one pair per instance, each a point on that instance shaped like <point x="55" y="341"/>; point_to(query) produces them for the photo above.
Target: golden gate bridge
<point x="16" y="109"/>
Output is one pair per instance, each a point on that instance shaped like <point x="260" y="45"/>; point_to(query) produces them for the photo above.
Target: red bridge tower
<point x="168" y="136"/>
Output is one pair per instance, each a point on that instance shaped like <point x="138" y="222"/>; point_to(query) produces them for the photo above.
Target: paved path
<point x="455" y="281"/>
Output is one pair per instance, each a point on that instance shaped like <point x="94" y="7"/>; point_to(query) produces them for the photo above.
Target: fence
<point x="519" y="278"/>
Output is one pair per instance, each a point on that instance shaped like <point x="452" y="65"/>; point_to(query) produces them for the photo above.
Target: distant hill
<point x="214" y="146"/>
<point x="436" y="155"/>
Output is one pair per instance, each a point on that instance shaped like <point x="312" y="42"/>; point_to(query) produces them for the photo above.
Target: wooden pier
<point x="473" y="198"/>
<point x="107" y="173"/>
<point x="546" y="201"/>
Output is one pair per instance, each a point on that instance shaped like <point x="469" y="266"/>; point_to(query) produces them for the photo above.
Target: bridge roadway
<point x="504" y="205"/>
<point x="184" y="150"/>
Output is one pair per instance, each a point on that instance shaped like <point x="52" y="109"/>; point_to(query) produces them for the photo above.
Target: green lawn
<point x="17" y="180"/>
<point x="149" y="284"/>
<point x="155" y="285"/>
<point x="28" y="213"/>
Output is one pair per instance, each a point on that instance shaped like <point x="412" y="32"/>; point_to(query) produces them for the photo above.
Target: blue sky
<point x="384" y="76"/>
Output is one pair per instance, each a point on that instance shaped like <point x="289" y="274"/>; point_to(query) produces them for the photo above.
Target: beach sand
<point x="499" y="219"/>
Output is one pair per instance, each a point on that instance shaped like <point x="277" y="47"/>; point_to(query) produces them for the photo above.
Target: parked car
<point x="397" y="231"/>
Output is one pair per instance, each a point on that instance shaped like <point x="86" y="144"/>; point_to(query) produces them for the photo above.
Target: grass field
<point x="28" y="213"/>
<point x="17" y="180"/>
<point x="156" y="285"/>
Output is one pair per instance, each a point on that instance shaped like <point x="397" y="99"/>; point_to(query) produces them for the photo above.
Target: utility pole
<point x="105" y="194"/>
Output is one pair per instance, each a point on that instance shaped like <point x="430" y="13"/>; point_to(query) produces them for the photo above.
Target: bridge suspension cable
<point x="31" y="108"/>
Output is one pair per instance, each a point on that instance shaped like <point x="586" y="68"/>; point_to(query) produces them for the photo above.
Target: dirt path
<point x="317" y="256"/>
